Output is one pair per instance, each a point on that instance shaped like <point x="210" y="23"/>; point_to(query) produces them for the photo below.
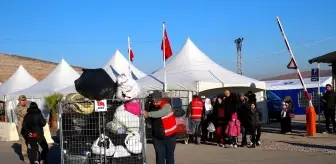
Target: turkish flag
<point x="131" y="55"/>
<point x="166" y="49"/>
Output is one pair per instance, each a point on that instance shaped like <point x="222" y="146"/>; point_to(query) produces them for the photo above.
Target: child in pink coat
<point x="233" y="130"/>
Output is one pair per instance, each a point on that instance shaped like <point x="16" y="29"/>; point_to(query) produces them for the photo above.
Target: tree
<point x="52" y="103"/>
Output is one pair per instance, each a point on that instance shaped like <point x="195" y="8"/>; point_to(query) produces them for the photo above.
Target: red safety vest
<point x="168" y="121"/>
<point x="196" y="109"/>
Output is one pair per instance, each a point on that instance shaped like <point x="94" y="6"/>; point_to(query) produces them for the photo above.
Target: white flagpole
<point x="129" y="57"/>
<point x="164" y="57"/>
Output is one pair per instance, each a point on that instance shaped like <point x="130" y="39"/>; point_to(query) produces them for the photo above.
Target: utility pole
<point x="239" y="43"/>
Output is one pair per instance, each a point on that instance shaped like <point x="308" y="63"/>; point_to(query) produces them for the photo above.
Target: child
<point x="32" y="131"/>
<point x="286" y="120"/>
<point x="233" y="130"/>
<point x="254" y="121"/>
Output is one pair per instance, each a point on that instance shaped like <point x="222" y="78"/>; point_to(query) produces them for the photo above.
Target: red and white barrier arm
<point x="293" y="59"/>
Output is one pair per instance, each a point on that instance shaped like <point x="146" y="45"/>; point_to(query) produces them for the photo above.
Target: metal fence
<point x="114" y="136"/>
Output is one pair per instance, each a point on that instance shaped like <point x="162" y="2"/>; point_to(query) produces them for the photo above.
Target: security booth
<point x="327" y="58"/>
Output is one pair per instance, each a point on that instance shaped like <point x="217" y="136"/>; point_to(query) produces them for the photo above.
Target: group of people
<point x="30" y="128"/>
<point x="230" y="114"/>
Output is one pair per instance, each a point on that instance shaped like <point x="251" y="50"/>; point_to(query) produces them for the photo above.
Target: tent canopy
<point x="118" y="64"/>
<point x="19" y="80"/>
<point x="327" y="58"/>
<point x="296" y="84"/>
<point x="190" y="69"/>
<point x="61" y="77"/>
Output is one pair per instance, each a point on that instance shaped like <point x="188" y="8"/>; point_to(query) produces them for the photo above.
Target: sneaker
<point x="198" y="141"/>
<point x="235" y="146"/>
<point x="230" y="146"/>
<point x="259" y="143"/>
<point x="36" y="162"/>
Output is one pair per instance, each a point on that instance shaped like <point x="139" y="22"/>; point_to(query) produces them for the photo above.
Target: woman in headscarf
<point x="219" y="120"/>
<point x="206" y="120"/>
<point x="288" y="100"/>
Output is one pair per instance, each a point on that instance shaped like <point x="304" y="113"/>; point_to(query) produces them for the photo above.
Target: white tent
<point x="296" y="84"/>
<point x="192" y="70"/>
<point x="19" y="80"/>
<point x="67" y="90"/>
<point x="61" y="77"/>
<point x="118" y="64"/>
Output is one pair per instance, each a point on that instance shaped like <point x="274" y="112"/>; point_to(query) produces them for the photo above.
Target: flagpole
<point x="297" y="68"/>
<point x="164" y="56"/>
<point x="129" y="56"/>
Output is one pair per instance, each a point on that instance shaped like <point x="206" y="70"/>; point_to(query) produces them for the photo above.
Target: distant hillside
<point x="305" y="74"/>
<point x="36" y="67"/>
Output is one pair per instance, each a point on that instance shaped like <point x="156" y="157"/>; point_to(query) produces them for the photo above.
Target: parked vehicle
<point x="274" y="103"/>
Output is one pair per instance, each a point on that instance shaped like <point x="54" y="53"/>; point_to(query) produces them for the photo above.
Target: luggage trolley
<point x="92" y="135"/>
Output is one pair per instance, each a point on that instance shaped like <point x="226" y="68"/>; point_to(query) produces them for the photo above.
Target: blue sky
<point x="86" y="32"/>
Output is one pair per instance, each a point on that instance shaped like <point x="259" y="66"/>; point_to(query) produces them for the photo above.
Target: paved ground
<point x="210" y="154"/>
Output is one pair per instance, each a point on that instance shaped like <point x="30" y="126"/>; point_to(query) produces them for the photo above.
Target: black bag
<point x="179" y="112"/>
<point x="177" y="107"/>
<point x="95" y="84"/>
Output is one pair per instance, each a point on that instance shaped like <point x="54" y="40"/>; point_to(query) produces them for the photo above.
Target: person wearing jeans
<point x="163" y="128"/>
<point x="164" y="150"/>
<point x="195" y="113"/>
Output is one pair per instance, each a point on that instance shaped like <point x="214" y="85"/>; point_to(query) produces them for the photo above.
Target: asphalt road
<point x="200" y="154"/>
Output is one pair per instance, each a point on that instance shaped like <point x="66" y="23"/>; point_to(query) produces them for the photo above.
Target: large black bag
<point x="95" y="84"/>
<point x="177" y="107"/>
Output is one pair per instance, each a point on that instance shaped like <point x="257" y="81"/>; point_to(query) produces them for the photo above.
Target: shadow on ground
<point x="54" y="155"/>
<point x="17" y="149"/>
<point x="311" y="145"/>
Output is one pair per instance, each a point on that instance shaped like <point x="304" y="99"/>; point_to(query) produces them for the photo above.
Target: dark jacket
<point x="33" y="122"/>
<point x="329" y="98"/>
<point x="218" y="113"/>
<point x="255" y="117"/>
<point x="230" y="106"/>
<point x="252" y="98"/>
<point x="243" y="110"/>
<point x="157" y="125"/>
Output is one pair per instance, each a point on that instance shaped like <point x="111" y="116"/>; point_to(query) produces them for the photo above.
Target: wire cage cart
<point x="102" y="132"/>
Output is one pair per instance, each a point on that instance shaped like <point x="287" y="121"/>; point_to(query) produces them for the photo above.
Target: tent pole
<point x="216" y="78"/>
<point x="4" y="107"/>
<point x="129" y="56"/>
<point x="319" y="97"/>
<point x="197" y="87"/>
<point x="164" y="57"/>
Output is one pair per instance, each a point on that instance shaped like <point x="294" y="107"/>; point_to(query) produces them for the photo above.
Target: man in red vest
<point x="163" y="129"/>
<point x="195" y="114"/>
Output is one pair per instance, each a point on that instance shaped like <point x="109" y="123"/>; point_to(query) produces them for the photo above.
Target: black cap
<point x="157" y="95"/>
